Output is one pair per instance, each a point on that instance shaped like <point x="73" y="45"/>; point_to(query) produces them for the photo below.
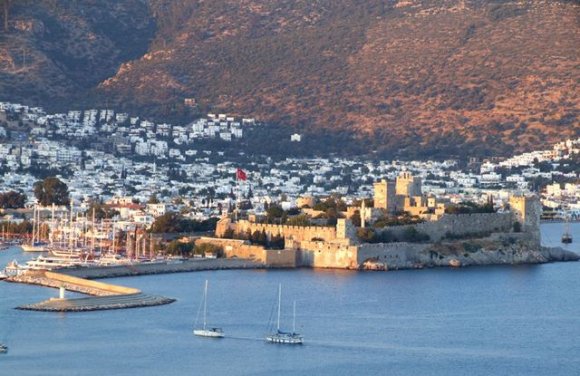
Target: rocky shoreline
<point x="513" y="255"/>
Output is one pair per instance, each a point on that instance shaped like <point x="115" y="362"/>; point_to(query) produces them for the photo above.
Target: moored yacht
<point x="282" y="337"/>
<point x="205" y="331"/>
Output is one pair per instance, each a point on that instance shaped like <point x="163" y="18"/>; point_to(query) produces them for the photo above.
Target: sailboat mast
<point x="33" y="225"/>
<point x="294" y="318"/>
<point x="93" y="233"/>
<point x="38" y="225"/>
<point x="204" y="304"/>
<point x="279" y="303"/>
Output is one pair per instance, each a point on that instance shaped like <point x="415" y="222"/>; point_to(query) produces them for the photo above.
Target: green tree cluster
<point x="299" y="220"/>
<point x="275" y="214"/>
<point x="399" y="219"/>
<point x="370" y="235"/>
<point x="50" y="191"/>
<point x="469" y="207"/>
<point x="24" y="227"/>
<point x="172" y="222"/>
<point x="178" y="248"/>
<point x="331" y="202"/>
<point x="101" y="211"/>
<point x="205" y="248"/>
<point x="12" y="200"/>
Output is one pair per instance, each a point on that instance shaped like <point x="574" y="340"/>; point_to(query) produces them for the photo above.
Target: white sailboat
<point x="35" y="244"/>
<point x="205" y="331"/>
<point x="279" y="336"/>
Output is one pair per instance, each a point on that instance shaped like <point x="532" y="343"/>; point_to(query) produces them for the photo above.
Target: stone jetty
<point x="96" y="303"/>
<point x="176" y="266"/>
<point x="104" y="296"/>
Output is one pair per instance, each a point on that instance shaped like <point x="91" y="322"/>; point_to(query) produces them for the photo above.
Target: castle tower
<point x="527" y="211"/>
<point x="345" y="229"/>
<point x="408" y="185"/>
<point x="222" y="226"/>
<point x="384" y="195"/>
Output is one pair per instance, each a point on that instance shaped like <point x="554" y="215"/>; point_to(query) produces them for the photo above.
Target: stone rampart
<point x="280" y="258"/>
<point x="300" y="233"/>
<point x="327" y="255"/>
<point x="235" y="248"/>
<point x="459" y="225"/>
<point x="393" y="255"/>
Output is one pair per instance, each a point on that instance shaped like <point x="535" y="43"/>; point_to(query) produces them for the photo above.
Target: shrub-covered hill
<point x="421" y="77"/>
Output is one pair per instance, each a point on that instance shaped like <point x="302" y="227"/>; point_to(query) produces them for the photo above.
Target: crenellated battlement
<point x="299" y="233"/>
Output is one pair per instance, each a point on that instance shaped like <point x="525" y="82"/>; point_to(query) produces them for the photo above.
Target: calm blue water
<point x="522" y="320"/>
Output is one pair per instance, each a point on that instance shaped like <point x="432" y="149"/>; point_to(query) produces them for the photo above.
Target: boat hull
<point x="284" y="339"/>
<point x="208" y="333"/>
<point x="33" y="248"/>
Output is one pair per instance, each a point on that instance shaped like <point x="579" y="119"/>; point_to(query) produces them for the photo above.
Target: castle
<point x="340" y="247"/>
<point x="404" y="194"/>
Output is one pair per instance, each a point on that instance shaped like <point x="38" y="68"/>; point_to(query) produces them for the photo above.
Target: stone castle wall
<point x="299" y="233"/>
<point x="460" y="225"/>
<point x="327" y="255"/>
<point x="234" y="248"/>
<point x="396" y="254"/>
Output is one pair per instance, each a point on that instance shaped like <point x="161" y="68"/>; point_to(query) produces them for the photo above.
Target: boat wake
<point x="245" y="338"/>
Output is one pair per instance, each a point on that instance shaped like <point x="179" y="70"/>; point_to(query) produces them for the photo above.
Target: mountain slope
<point x="421" y="77"/>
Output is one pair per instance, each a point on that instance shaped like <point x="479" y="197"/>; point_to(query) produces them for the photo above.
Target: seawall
<point x="178" y="266"/>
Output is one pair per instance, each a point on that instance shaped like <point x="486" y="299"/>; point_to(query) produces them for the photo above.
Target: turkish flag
<point x="241" y="175"/>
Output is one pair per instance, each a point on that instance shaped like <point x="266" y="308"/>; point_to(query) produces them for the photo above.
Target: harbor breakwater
<point x="178" y="266"/>
<point x="105" y="296"/>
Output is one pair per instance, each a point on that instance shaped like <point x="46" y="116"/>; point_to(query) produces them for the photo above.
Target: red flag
<point x="241" y="175"/>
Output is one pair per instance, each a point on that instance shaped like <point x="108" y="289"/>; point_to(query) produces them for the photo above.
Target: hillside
<point x="417" y="77"/>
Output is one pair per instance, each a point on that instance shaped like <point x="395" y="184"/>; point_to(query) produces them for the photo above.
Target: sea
<point x="495" y="320"/>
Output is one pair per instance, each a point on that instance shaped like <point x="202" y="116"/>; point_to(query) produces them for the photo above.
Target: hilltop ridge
<point x="415" y="77"/>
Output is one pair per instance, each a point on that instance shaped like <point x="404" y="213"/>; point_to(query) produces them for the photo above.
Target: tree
<point x="299" y="220"/>
<point x="366" y="235"/>
<point x="50" y="191"/>
<point x="204" y="248"/>
<point x="177" y="247"/>
<point x="153" y="199"/>
<point x="275" y="214"/>
<point x="101" y="210"/>
<point x="168" y="222"/>
<point x="12" y="200"/>
<point x="172" y="222"/>
<point x="355" y="219"/>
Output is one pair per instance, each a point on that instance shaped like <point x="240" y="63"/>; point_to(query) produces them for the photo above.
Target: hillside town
<point x="129" y="160"/>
